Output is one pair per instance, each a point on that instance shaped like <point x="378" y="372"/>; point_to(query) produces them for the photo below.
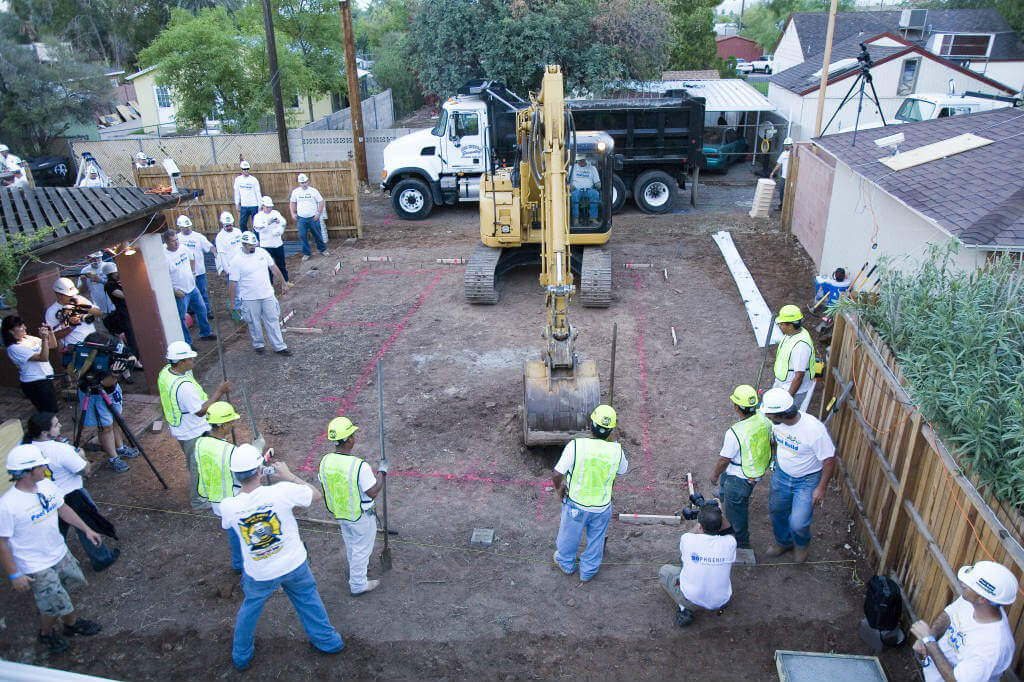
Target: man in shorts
<point x="33" y="552"/>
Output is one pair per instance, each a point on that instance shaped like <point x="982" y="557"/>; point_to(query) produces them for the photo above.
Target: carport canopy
<point x="726" y="94"/>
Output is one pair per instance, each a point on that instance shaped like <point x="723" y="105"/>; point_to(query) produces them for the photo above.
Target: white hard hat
<point x="65" y="286"/>
<point x="3" y="148"/>
<point x="23" y="457"/>
<point x="992" y="581"/>
<point x="96" y="254"/>
<point x="788" y="140"/>
<point x="184" y="221"/>
<point x="244" y="165"/>
<point x="226" y="218"/>
<point x="303" y="177"/>
<point x="93" y="171"/>
<point x="141" y="155"/>
<point x="249" y="238"/>
<point x="267" y="201"/>
<point x="776" y="400"/>
<point x="245" y="458"/>
<point x="108" y="268"/>
<point x="179" y="350"/>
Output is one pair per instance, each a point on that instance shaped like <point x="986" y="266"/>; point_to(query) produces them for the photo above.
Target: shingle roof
<point x="977" y="195"/>
<point x="811" y="28"/>
<point x="800" y="78"/>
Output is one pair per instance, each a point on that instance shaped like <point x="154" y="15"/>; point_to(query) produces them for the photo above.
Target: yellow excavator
<point x="528" y="214"/>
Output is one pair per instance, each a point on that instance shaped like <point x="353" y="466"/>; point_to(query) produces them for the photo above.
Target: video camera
<point x="66" y="312"/>
<point x="99" y="356"/>
<point x="696" y="501"/>
<point x="864" y="57"/>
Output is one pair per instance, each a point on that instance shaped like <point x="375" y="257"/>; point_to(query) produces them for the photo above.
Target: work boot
<point x="54" y="642"/>
<point x="684" y="617"/>
<point x="125" y="452"/>
<point x="86" y="628"/>
<point x="800" y="554"/>
<point x="371" y="585"/>
<point x="283" y="351"/>
<point x="775" y="550"/>
<point x="258" y="350"/>
<point x="117" y="464"/>
<point x="305" y="257"/>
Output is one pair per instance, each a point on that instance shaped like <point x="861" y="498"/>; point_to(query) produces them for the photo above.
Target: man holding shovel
<point x="350" y="488"/>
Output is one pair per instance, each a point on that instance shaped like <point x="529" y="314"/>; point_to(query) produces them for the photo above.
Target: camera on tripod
<point x="80" y="310"/>
<point x="865" y="57"/>
<point x="99" y="356"/>
<point x="696" y="501"/>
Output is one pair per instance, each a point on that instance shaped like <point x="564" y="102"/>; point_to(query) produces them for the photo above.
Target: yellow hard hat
<point x="221" y="412"/>
<point x="744" y="396"/>
<point x="789" y="313"/>
<point x="603" y="416"/>
<point x="340" y="429"/>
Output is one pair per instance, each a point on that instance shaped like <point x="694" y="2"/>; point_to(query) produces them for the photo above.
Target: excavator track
<point x="596" y="277"/>
<point x="480" y="281"/>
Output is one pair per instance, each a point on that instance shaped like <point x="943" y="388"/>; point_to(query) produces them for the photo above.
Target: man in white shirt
<point x="585" y="182"/>
<point x="249" y="280"/>
<point x="9" y="160"/>
<point x="307" y="205"/>
<point x="183" y="280"/>
<point x="804" y="464"/>
<point x="32" y="551"/>
<point x="228" y="241"/>
<point x="704" y="580"/>
<point x="199" y="245"/>
<point x="269" y="225"/>
<point x="92" y="278"/>
<point x="794" y="358"/>
<point x="70" y="328"/>
<point x="91" y="179"/>
<point x="782" y="164"/>
<point x="247" y="196"/>
<point x="971" y="640"/>
<point x="184" y="404"/>
<point x="272" y="552"/>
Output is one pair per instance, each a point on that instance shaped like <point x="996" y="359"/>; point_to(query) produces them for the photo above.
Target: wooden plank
<point x="859" y="507"/>
<point x="904" y="477"/>
<point x="61" y="209"/>
<point x="84" y="215"/>
<point x="933" y="546"/>
<point x="97" y="198"/>
<point x="936" y="150"/>
<point x="36" y="211"/>
<point x="10" y="216"/>
<point x="117" y="198"/>
<point x="51" y="216"/>
<point x="18" y="200"/>
<point x="132" y="199"/>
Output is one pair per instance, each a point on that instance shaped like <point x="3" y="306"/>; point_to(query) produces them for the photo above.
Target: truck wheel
<point x="411" y="199"/>
<point x="654" y="192"/>
<point x="618" y="194"/>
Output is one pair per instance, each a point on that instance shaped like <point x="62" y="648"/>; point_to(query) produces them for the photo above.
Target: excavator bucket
<point x="557" y="408"/>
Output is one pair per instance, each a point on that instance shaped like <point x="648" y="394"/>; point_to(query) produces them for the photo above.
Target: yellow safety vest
<point x="754" y="436"/>
<point x="593" y="472"/>
<point x="213" y="460"/>
<point x="339" y="477"/>
<point x="786" y="349"/>
<point x="168" y="384"/>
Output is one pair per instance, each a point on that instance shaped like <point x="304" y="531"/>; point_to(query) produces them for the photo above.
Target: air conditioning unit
<point x="913" y="19"/>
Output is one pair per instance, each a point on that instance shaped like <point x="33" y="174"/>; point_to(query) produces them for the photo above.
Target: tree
<point x="39" y="102"/>
<point x="442" y="43"/>
<point x="693" y="34"/>
<point x="639" y="32"/>
<point x="391" y="69"/>
<point x="1012" y="10"/>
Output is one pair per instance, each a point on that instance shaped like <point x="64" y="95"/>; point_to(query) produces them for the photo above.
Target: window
<point x="965" y="45"/>
<point x="467" y="124"/>
<point x="163" y="97"/>
<point x="295" y="102"/>
<point x="908" y="76"/>
<point x="914" y="110"/>
<point x="442" y="124"/>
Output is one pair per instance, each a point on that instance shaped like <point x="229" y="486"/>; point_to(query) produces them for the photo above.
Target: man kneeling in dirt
<point x="704" y="580"/>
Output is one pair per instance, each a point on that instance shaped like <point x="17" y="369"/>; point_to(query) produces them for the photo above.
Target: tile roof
<point x="977" y="195"/>
<point x="801" y="78"/>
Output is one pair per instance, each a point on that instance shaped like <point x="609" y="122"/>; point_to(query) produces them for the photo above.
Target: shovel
<point x="385" y="555"/>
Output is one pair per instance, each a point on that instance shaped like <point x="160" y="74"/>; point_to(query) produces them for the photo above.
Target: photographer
<point x="71" y="317"/>
<point x="704" y="581"/>
<point x="92" y="279"/>
<point x="31" y="355"/>
<point x="119" y="321"/>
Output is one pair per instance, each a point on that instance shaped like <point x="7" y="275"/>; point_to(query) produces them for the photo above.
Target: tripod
<point x="93" y="389"/>
<point x="863" y="77"/>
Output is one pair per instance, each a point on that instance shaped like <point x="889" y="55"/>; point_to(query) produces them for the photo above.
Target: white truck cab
<point x="925" y="107"/>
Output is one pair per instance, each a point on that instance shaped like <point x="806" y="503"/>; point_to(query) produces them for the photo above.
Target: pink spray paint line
<point x="368" y="325"/>
<point x="372" y="365"/>
<point x="645" y="420"/>
<point x="326" y="308"/>
<point x="390" y="219"/>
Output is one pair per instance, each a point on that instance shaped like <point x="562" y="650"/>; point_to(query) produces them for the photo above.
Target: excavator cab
<point x="590" y="184"/>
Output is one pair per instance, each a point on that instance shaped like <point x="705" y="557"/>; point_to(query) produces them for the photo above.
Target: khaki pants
<point x="189" y="448"/>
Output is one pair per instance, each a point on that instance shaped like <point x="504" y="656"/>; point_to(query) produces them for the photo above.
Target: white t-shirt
<point x="192" y="425"/>
<point x="269" y="225"/>
<point x="802" y="447"/>
<point x="247" y="191"/>
<point x="96" y="291"/>
<point x="263" y="519"/>
<point x="66" y="465"/>
<point x="366" y="481"/>
<point x="800" y="356"/>
<point x="199" y="245"/>
<point x="229" y="244"/>
<point x="91" y="182"/>
<point x="567" y="461"/>
<point x="250" y="271"/>
<point x="31" y="527"/>
<point x="705" y="578"/>
<point x="29" y="370"/>
<point x="585" y="177"/>
<point x="79" y="332"/>
<point x="11" y="161"/>
<point x="305" y="201"/>
<point x="178" y="263"/>
<point x="978" y="652"/>
<point x="784" y="162"/>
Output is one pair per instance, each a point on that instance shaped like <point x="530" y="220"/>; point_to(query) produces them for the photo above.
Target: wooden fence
<point x="336" y="181"/>
<point x="919" y="515"/>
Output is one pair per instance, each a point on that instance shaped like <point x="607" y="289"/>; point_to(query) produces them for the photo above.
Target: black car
<point x="51" y="171"/>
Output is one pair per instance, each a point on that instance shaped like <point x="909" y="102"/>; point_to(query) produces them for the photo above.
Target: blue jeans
<point x="311" y="224"/>
<point x="570" y="530"/>
<point x="300" y="586"/>
<point x="735" y="495"/>
<point x="201" y="286"/>
<point x="591" y="194"/>
<point x="791" y="508"/>
<point x="100" y="557"/>
<point x="236" y="549"/>
<point x="245" y="214"/>
<point x="194" y="301"/>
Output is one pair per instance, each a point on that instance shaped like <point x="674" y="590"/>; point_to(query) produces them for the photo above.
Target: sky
<point x="734" y="5"/>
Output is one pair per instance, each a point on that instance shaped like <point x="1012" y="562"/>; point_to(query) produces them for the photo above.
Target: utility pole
<point x="275" y="82"/>
<point x="352" y="78"/>
<point x="824" y="68"/>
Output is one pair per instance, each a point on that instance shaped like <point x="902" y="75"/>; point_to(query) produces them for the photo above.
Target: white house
<point x="850" y="208"/>
<point x="976" y="39"/>
<point x="901" y="68"/>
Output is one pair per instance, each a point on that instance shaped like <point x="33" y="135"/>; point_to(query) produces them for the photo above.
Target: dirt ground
<point x="452" y="390"/>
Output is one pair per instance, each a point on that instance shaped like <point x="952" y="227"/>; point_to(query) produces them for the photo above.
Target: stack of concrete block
<point x="763" y="198"/>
